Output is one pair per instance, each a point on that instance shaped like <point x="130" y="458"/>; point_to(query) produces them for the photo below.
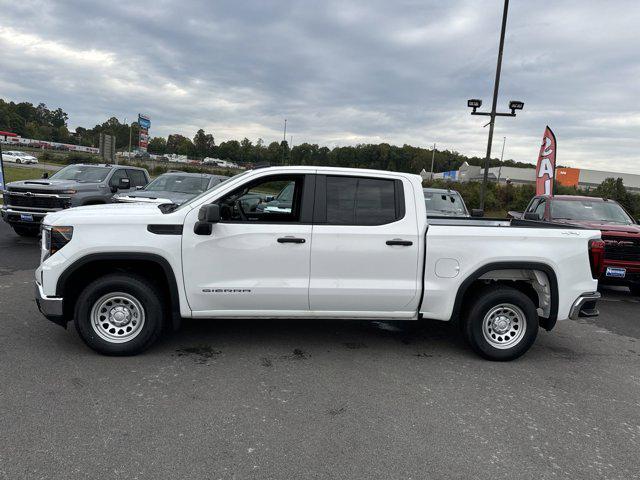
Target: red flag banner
<point x="546" y="168"/>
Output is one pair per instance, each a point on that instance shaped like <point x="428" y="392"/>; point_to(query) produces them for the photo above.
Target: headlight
<point x="54" y="238"/>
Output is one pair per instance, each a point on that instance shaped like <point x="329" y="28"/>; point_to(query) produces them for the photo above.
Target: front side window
<point x="360" y="201"/>
<point x="117" y="176"/>
<point x="260" y="201"/>
<point x="137" y="177"/>
<point x="540" y="208"/>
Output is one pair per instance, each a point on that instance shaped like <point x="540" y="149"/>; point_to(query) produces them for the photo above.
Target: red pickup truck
<point x="620" y="232"/>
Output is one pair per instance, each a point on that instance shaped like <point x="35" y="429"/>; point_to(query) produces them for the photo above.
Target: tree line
<point x="42" y="123"/>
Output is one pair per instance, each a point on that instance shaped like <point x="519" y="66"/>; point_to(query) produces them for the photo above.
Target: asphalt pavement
<point x="314" y="399"/>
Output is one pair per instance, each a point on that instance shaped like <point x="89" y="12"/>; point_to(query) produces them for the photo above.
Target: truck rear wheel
<point x="501" y="323"/>
<point x="119" y="314"/>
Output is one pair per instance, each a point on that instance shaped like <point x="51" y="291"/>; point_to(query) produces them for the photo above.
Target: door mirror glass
<point x="124" y="184"/>
<point x="209" y="213"/>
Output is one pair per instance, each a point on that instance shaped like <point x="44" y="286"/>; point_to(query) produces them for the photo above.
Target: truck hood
<point x="111" y="213"/>
<point x="44" y="184"/>
<point x="604" y="227"/>
<point x="174" y="197"/>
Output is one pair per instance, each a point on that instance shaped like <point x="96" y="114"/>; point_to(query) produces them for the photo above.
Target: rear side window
<point x="137" y="177"/>
<point x="361" y="201"/>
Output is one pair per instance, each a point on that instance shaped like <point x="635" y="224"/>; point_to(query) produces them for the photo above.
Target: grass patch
<point x="13" y="174"/>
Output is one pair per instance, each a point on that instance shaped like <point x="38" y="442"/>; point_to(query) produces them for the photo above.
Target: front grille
<point x="33" y="201"/>
<point x="622" y="248"/>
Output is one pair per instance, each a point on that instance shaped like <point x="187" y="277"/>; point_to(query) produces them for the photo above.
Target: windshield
<point x="448" y="203"/>
<point x="179" y="184"/>
<point x="82" y="173"/>
<point x="589" y="210"/>
<point x="221" y="184"/>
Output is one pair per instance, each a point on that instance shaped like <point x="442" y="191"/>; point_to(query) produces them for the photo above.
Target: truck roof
<point x="344" y="170"/>
<point x="578" y="198"/>
<point x="106" y="165"/>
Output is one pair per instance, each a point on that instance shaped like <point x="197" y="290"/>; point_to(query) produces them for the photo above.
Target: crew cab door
<point x="365" y="247"/>
<point x="255" y="262"/>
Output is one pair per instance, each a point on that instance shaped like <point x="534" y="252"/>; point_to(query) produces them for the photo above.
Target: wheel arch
<point x="463" y="290"/>
<point x="96" y="264"/>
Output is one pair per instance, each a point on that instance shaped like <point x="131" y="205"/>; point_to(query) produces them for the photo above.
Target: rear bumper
<point x="585" y="306"/>
<point x="50" y="307"/>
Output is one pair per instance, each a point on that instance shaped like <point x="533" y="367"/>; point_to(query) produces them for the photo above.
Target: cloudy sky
<point x="341" y="71"/>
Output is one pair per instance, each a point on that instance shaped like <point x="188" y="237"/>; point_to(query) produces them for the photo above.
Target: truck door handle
<point x="291" y="240"/>
<point x="398" y="241"/>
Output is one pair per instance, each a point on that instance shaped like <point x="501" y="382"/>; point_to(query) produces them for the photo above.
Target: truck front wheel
<point x="119" y="314"/>
<point x="501" y="323"/>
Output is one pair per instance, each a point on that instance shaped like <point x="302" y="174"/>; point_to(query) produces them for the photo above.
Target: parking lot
<point x="314" y="399"/>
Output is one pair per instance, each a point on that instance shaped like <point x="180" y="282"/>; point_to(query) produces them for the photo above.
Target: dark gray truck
<point x="26" y="202"/>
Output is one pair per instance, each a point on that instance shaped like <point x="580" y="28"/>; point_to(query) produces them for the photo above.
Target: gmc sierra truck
<point x="353" y="244"/>
<point x="26" y="202"/>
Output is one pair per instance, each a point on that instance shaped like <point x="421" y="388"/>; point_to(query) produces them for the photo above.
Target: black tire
<point x="18" y="160"/>
<point x="26" y="231"/>
<point x="513" y="304"/>
<point x="132" y="289"/>
<point x="635" y="290"/>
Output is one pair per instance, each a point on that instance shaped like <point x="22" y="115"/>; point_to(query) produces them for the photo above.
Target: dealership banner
<point x="546" y="168"/>
<point x="143" y="139"/>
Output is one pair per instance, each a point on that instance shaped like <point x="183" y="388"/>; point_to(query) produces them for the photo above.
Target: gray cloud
<point x="340" y="72"/>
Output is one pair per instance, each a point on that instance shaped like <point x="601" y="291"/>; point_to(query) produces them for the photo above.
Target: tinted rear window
<point x="360" y="201"/>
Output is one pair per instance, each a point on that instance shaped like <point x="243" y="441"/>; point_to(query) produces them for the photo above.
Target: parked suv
<point x="26" y="202"/>
<point x="620" y="232"/>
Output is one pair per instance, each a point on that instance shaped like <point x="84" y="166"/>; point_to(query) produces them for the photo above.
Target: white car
<point x="16" y="156"/>
<point x="354" y="244"/>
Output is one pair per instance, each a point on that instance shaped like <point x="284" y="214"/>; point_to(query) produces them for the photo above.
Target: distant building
<point x="571" y="177"/>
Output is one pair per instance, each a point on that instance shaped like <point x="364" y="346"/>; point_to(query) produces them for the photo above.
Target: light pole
<point x="513" y="105"/>
<point x="284" y="139"/>
<point x="504" y="140"/>
<point x="433" y="157"/>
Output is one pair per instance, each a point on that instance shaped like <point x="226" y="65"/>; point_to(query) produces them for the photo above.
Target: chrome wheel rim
<point x="504" y="326"/>
<point x="117" y="317"/>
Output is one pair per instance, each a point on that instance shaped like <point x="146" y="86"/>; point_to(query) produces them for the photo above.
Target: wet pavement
<point x="321" y="399"/>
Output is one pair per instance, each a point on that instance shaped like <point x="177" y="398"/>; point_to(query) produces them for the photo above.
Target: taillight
<point x="596" y="257"/>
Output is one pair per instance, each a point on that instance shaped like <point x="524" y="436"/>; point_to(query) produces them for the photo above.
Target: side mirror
<point x="477" y="212"/>
<point x="209" y="213"/>
<point x="45" y="175"/>
<point x="531" y="216"/>
<point x="207" y="216"/>
<point x="269" y="198"/>
<point x="124" y="184"/>
<point x="139" y="187"/>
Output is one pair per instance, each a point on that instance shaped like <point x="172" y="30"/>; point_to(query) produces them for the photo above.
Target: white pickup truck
<point x="354" y="244"/>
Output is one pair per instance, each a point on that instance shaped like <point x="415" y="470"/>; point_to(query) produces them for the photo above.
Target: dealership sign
<point x="145" y="124"/>
<point x="546" y="168"/>
<point x="1" y="172"/>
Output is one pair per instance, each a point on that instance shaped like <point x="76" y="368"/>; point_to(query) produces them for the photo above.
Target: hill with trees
<point x="42" y="123"/>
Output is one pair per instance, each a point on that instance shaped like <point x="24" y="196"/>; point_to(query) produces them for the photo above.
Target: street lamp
<point x="475" y="103"/>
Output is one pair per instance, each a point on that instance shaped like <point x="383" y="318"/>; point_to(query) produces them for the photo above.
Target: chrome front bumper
<point x="50" y="307"/>
<point x="585" y="306"/>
